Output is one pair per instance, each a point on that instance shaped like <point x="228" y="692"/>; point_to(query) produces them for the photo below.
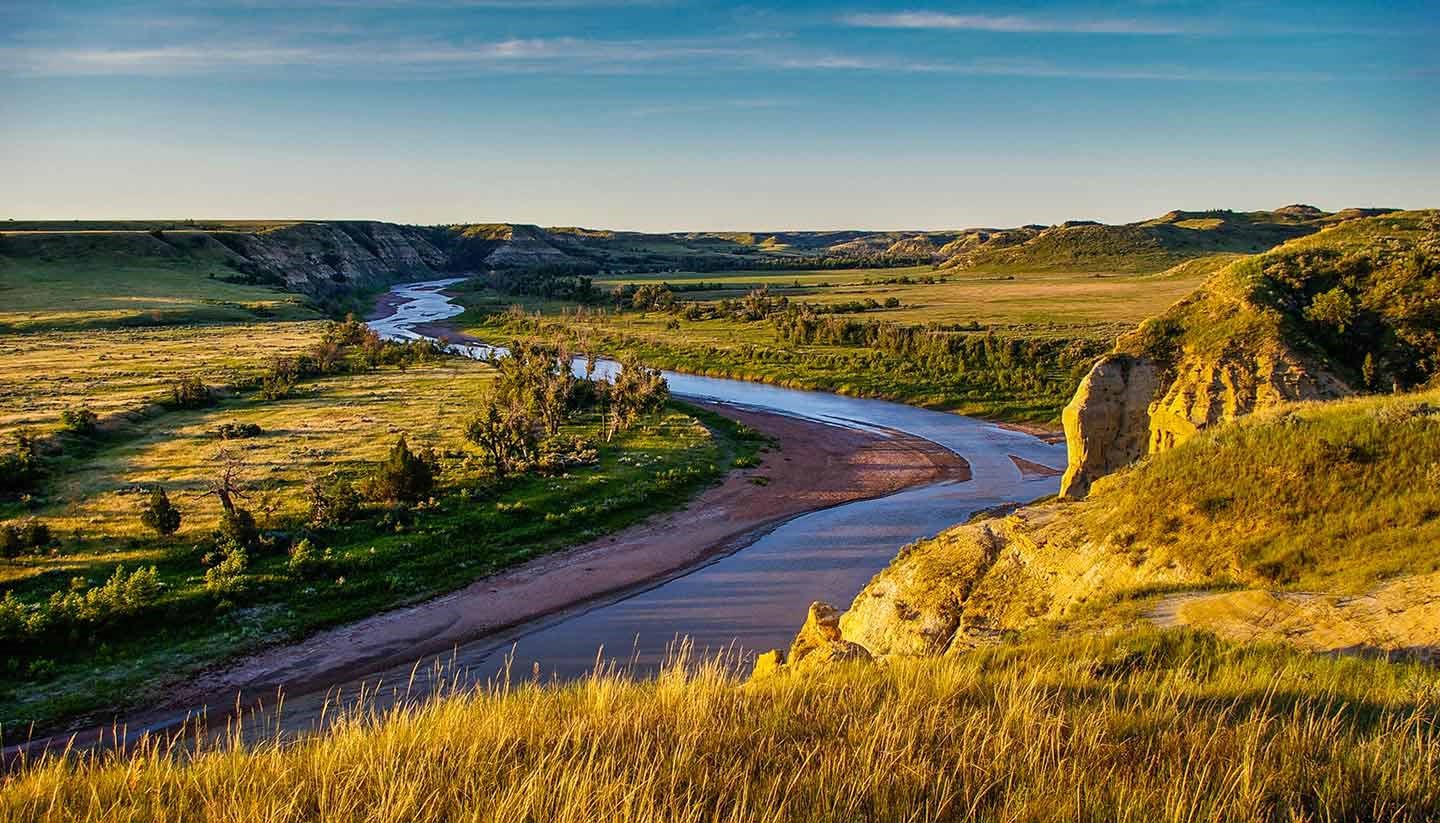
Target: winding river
<point x="756" y="598"/>
<point x="750" y="600"/>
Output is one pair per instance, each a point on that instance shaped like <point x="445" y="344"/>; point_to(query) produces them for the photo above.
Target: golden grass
<point x="343" y="422"/>
<point x="119" y="371"/>
<point x="1140" y="727"/>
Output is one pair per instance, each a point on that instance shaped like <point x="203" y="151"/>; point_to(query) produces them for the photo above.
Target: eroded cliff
<point x="1319" y="318"/>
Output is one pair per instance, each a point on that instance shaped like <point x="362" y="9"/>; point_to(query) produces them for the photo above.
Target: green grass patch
<point x="474" y="526"/>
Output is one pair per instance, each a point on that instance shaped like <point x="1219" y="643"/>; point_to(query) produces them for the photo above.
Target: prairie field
<point x="1138" y="725"/>
<point x="119" y="372"/>
<point x="1059" y="302"/>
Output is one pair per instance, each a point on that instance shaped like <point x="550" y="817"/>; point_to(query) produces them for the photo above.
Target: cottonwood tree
<point x="535" y="378"/>
<point x="636" y="391"/>
<point x="505" y="433"/>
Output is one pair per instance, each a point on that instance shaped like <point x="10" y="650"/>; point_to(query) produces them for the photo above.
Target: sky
<point x="664" y="115"/>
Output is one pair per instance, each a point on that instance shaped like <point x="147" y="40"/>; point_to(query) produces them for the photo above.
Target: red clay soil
<point x="816" y="467"/>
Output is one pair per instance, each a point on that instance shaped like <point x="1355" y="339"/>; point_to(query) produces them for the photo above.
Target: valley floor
<point x="815" y="466"/>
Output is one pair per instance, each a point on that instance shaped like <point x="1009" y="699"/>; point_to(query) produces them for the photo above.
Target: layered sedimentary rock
<point x="1107" y="423"/>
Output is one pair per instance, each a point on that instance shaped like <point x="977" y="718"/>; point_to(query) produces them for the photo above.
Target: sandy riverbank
<point x="816" y="467"/>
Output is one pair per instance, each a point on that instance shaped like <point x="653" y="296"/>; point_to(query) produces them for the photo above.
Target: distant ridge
<point x="325" y="256"/>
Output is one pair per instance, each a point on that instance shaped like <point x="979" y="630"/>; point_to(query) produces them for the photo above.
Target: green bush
<point x="80" y="421"/>
<point x="307" y="561"/>
<point x="237" y="526"/>
<point x="158" y="514"/>
<point x="404" y="476"/>
<point x="82" y="611"/>
<point x="333" y="501"/>
<point x="20" y="468"/>
<point x="238" y="431"/>
<point x="228" y="575"/>
<point x="190" y="393"/>
<point x="26" y="536"/>
<point x="280" y="379"/>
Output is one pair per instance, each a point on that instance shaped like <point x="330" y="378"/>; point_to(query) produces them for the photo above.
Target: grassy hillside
<point x="121" y="374"/>
<point x="1360" y="300"/>
<point x="1148" y="246"/>
<point x="109" y="280"/>
<point x="1335" y="502"/>
<point x="1320" y="496"/>
<point x="1131" y="727"/>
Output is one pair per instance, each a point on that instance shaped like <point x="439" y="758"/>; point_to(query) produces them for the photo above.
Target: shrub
<point x="122" y="596"/>
<point x="228" y="575"/>
<point x="20" y="469"/>
<point x="308" y="562"/>
<point x="80" y="421"/>
<point x="158" y="514"/>
<point x="403" y="477"/>
<point x="333" y="501"/>
<point x="190" y="393"/>
<point x="27" y="536"/>
<point x="506" y="435"/>
<point x="237" y="526"/>
<point x="10" y="543"/>
<point x="238" y="431"/>
<point x="279" y="381"/>
<point x="35" y="533"/>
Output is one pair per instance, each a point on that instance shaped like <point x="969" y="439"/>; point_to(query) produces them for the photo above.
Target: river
<point x="757" y="597"/>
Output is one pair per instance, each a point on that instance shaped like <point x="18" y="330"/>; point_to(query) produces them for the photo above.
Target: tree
<point x="333" y="501"/>
<point x="80" y="421"/>
<point x="404" y="476"/>
<point x="20" y="467"/>
<point x="228" y="482"/>
<point x="190" y="393"/>
<point x="636" y="391"/>
<point x="1334" y="308"/>
<point x="535" y="378"/>
<point x="158" y="514"/>
<point x="504" y="433"/>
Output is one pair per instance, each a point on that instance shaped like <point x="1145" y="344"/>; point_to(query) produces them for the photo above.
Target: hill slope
<point x="1353" y="308"/>
<point x="1147" y="246"/>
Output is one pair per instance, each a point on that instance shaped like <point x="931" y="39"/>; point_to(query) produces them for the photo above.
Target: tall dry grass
<point x="1143" y="727"/>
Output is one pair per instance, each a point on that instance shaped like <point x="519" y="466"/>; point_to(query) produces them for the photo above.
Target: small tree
<point x="20" y="467"/>
<point x="280" y="379"/>
<point x="404" y="476"/>
<point x="79" y="420"/>
<point x="637" y="390"/>
<point x="505" y="434"/>
<point x="333" y="501"/>
<point x="158" y="514"/>
<point x="190" y="393"/>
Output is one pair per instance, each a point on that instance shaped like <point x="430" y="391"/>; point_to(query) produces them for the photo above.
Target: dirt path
<point x="1400" y="618"/>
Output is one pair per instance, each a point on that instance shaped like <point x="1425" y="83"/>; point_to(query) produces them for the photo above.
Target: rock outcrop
<point x="969" y="585"/>
<point x="318" y="257"/>
<point x="1107" y="422"/>
<point x="818" y="643"/>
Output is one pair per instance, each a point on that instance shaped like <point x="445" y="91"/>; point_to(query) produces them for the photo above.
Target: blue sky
<point x="674" y="114"/>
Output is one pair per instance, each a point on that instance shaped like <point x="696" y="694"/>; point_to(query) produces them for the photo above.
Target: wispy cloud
<point x="1016" y="24"/>
<point x="986" y="68"/>
<point x="561" y="55"/>
<point x="519" y="54"/>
